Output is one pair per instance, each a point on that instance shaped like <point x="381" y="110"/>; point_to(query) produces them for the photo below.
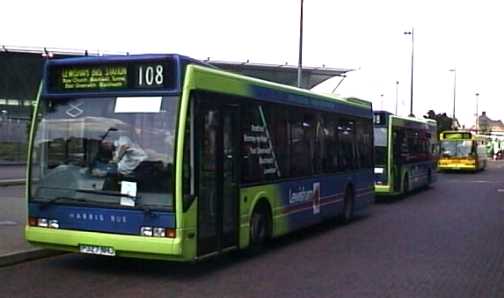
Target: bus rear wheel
<point x="406" y="187"/>
<point x="348" y="206"/>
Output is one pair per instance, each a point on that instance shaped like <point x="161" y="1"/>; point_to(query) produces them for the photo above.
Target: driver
<point x="120" y="156"/>
<point x="128" y="155"/>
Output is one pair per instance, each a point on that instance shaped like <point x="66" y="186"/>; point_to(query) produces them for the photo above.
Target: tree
<point x="443" y="121"/>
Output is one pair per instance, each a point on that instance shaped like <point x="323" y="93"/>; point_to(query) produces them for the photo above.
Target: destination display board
<point x="134" y="75"/>
<point x="457" y="135"/>
<point x="380" y="118"/>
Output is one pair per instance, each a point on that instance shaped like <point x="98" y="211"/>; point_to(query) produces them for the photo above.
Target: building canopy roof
<point x="282" y="73"/>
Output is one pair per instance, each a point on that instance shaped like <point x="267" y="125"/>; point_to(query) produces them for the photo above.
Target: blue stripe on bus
<point x="298" y="197"/>
<point x="120" y="221"/>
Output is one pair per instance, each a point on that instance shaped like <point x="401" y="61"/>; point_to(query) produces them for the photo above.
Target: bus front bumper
<point x="122" y="245"/>
<point x="456" y="166"/>
<point x="383" y="189"/>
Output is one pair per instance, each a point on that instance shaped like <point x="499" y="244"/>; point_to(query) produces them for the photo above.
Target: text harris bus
<point x="164" y="157"/>
<point x="462" y="150"/>
<point x="405" y="153"/>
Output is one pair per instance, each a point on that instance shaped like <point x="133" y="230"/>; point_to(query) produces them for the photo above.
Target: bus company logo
<point x="303" y="195"/>
<point x="75" y="110"/>
<point x="96" y="217"/>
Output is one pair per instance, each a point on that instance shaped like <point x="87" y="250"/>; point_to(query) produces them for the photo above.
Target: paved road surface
<point x="447" y="241"/>
<point x="12" y="220"/>
<point x="8" y="172"/>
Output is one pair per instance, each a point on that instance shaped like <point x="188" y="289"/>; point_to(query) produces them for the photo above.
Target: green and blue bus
<point x="406" y="151"/>
<point x="211" y="161"/>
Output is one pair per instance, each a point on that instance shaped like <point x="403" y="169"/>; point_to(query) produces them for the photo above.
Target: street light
<point x="477" y="115"/>
<point x="396" y="95"/>
<point x="454" y="89"/>
<point x="300" y="61"/>
<point x="412" y="33"/>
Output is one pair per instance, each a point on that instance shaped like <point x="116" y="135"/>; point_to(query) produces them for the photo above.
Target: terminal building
<point x="21" y="70"/>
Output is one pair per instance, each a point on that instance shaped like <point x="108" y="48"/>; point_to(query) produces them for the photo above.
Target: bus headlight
<point x="146" y="231"/>
<point x="159" y="232"/>
<point x="53" y="223"/>
<point x="42" y="222"/>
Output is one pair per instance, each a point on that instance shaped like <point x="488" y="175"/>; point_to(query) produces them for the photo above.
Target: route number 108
<point x="150" y="76"/>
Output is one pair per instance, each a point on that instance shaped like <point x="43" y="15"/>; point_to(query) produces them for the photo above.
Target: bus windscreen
<point x="456" y="148"/>
<point x="97" y="149"/>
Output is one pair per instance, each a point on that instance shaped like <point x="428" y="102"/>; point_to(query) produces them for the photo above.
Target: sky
<point x="364" y="35"/>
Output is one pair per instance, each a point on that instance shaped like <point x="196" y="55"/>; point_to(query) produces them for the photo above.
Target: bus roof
<point x="403" y="121"/>
<point x="269" y="90"/>
<point x="222" y="81"/>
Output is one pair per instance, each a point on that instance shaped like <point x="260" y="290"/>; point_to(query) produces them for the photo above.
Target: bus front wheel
<point x="259" y="226"/>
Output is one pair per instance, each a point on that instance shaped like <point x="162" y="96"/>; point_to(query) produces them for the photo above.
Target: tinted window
<point x="258" y="155"/>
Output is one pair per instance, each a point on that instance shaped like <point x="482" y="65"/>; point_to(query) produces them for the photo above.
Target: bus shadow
<point x="155" y="269"/>
<point x="388" y="200"/>
<point x="454" y="173"/>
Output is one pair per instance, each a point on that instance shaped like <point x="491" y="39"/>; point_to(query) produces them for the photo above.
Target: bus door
<point x="217" y="144"/>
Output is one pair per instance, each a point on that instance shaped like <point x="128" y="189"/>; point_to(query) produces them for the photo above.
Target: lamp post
<point x="477" y="116"/>
<point x="381" y="102"/>
<point x="454" y="89"/>
<point x="412" y="33"/>
<point x="396" y="95"/>
<point x="300" y="60"/>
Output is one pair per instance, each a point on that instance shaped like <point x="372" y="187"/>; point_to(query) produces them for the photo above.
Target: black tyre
<point x="429" y="179"/>
<point x="259" y="227"/>
<point x="348" y="206"/>
<point x="406" y="187"/>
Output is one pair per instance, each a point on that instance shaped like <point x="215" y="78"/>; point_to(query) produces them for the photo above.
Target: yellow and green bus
<point x="462" y="151"/>
<point x="165" y="157"/>
<point x="405" y="153"/>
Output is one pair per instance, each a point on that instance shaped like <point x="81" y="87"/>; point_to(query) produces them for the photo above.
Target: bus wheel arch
<point x="261" y="223"/>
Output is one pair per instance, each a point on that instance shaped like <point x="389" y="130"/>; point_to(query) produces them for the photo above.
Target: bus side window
<point x="346" y="138"/>
<point x="331" y="148"/>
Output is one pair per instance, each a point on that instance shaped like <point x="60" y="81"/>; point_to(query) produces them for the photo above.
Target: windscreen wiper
<point x="44" y="204"/>
<point x="108" y="193"/>
<point x="147" y="208"/>
<point x="136" y="199"/>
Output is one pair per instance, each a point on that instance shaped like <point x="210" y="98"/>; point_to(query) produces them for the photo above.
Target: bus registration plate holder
<point x="97" y="250"/>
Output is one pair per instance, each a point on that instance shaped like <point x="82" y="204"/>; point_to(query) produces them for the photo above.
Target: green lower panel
<point x="124" y="245"/>
<point x="379" y="189"/>
<point x="385" y="190"/>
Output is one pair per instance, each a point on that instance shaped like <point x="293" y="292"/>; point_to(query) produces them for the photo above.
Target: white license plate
<point x="97" y="250"/>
